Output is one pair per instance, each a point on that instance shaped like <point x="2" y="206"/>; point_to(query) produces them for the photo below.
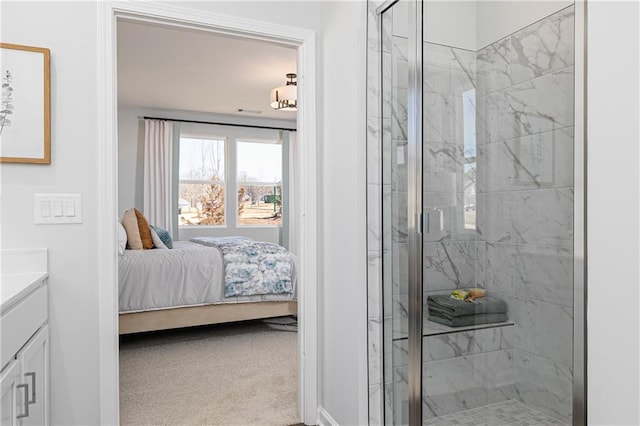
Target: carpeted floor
<point x="232" y="374"/>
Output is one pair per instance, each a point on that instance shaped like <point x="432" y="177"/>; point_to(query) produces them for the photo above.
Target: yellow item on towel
<point x="459" y="294"/>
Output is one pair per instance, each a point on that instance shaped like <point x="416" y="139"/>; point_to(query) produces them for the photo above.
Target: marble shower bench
<point x="466" y="367"/>
<point x="463" y="368"/>
<point x="430" y="328"/>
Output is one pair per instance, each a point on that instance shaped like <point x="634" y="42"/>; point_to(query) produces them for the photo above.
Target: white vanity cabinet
<point x="9" y="381"/>
<point x="24" y="350"/>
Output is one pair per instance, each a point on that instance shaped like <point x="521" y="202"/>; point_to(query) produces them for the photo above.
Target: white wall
<point x="473" y="25"/>
<point x="343" y="313"/>
<point x="73" y="294"/>
<point x="498" y="19"/>
<point x="452" y="23"/>
<point x="612" y="213"/>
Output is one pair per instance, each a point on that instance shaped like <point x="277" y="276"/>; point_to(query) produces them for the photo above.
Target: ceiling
<point x="161" y="67"/>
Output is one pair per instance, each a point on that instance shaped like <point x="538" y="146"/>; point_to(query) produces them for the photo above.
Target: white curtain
<point x="158" y="165"/>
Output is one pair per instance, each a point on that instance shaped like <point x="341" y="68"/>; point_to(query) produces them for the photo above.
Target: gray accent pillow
<point x="164" y="235"/>
<point x="157" y="242"/>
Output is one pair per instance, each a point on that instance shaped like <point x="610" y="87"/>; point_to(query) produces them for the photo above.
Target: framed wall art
<point x="25" y="110"/>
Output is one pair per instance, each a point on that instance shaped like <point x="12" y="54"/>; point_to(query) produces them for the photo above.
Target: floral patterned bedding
<point x="252" y="267"/>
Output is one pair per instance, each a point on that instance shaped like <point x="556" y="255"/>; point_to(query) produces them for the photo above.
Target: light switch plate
<point x="57" y="208"/>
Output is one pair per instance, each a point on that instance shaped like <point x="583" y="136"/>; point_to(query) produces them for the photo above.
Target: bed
<point x="187" y="286"/>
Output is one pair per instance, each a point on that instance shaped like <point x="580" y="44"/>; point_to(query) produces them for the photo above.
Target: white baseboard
<point x="325" y="419"/>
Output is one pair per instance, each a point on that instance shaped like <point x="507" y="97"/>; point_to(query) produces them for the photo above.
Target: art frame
<point x="25" y="107"/>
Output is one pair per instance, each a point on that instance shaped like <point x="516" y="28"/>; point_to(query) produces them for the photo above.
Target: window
<point x="259" y="183"/>
<point x="201" y="185"/>
<point x="211" y="169"/>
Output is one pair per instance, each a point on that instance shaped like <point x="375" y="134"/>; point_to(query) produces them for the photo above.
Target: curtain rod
<point x="219" y="124"/>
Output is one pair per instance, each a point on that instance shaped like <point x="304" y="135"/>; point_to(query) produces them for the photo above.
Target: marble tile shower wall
<point x="449" y="250"/>
<point x="461" y="370"/>
<point x="525" y="104"/>
<point x="467" y="369"/>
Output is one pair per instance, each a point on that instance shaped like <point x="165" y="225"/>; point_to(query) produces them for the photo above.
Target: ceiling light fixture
<point x="285" y="98"/>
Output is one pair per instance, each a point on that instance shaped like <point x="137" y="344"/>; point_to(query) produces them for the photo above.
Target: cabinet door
<point x="10" y="397"/>
<point x="34" y="360"/>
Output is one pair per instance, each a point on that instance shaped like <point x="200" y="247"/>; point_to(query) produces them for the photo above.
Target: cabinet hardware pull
<point x="33" y="387"/>
<point x="26" y="401"/>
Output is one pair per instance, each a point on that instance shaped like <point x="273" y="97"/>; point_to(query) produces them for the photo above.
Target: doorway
<point x="304" y="41"/>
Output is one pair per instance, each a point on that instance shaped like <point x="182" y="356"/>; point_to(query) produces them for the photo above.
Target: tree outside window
<point x="201" y="182"/>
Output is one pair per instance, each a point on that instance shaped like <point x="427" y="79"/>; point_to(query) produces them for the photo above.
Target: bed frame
<point x="163" y="319"/>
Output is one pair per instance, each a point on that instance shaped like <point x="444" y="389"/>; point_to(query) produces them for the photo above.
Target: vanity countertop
<point x="14" y="287"/>
<point x="21" y="272"/>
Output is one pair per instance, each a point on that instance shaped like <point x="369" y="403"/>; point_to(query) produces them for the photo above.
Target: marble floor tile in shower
<point x="511" y="413"/>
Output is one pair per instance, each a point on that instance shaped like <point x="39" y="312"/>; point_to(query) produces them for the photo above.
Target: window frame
<point x="239" y="183"/>
<point x="223" y="183"/>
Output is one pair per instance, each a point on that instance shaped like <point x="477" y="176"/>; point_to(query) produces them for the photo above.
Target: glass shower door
<point x="498" y="154"/>
<point x="402" y="245"/>
<point x="478" y="182"/>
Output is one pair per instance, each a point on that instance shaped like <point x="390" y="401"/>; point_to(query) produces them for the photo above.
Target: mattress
<point x="190" y="274"/>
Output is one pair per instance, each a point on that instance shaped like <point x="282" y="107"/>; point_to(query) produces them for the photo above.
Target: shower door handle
<point x="25" y="401"/>
<point x="434" y="221"/>
<point x="32" y="375"/>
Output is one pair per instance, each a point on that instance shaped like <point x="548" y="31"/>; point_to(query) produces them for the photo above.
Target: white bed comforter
<point x="190" y="274"/>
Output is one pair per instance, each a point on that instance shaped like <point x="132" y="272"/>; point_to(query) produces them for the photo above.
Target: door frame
<point x="109" y="13"/>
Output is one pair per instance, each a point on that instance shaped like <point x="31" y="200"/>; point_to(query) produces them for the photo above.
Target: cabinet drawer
<point x="21" y="322"/>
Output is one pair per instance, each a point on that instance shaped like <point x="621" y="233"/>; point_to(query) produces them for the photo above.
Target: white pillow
<point x="157" y="242"/>
<point x="122" y="238"/>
